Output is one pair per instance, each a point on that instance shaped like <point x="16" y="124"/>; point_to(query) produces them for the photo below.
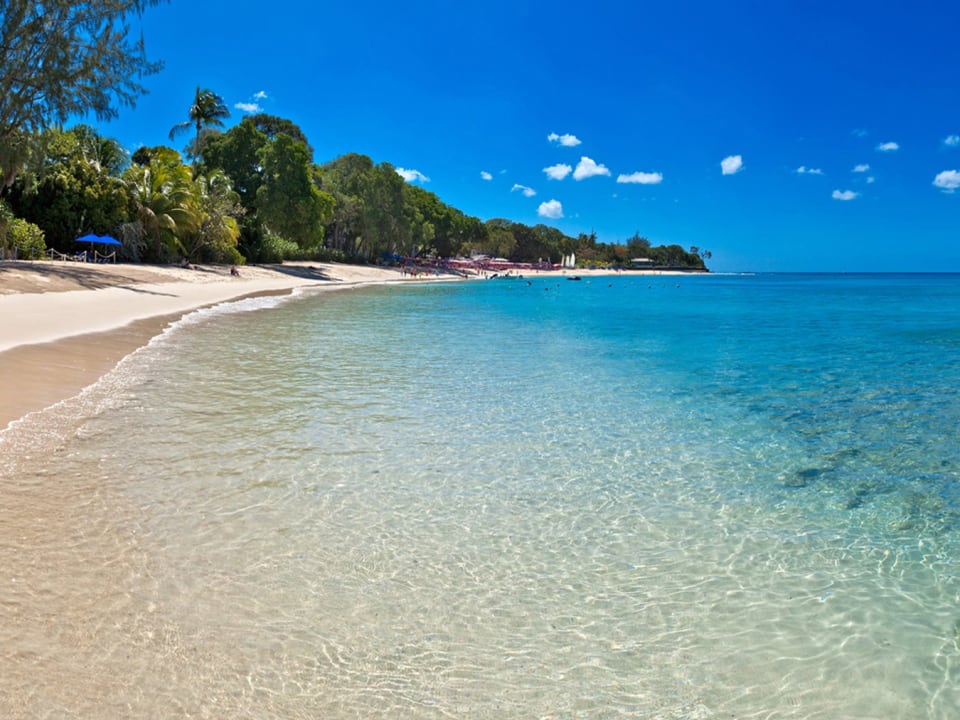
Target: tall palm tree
<point x="208" y="111"/>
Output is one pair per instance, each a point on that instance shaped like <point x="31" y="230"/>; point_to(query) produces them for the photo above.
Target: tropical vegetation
<point x="252" y="192"/>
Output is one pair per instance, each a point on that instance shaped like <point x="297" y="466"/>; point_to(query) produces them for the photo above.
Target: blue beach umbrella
<point x="98" y="239"/>
<point x="101" y="239"/>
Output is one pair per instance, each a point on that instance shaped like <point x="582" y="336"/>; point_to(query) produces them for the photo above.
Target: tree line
<point x="248" y="193"/>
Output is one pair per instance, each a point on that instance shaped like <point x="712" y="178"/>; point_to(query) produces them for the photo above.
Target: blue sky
<point x="782" y="136"/>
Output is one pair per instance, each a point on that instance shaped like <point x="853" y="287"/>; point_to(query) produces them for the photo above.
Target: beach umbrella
<point x="94" y="239"/>
<point x="101" y="239"/>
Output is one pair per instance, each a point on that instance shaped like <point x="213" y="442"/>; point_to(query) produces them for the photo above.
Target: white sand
<point x="41" y="317"/>
<point x="56" y="339"/>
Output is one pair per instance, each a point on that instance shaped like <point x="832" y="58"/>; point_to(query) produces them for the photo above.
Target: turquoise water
<point x="665" y="497"/>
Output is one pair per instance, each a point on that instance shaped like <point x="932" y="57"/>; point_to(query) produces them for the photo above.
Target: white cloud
<point x="845" y="195"/>
<point x="558" y="172"/>
<point x="550" y="209"/>
<point x="860" y="133"/>
<point x="641" y="178"/>
<point x="863" y="167"/>
<point x="253" y="106"/>
<point x="871" y="180"/>
<point x="888" y="147"/>
<point x="731" y="165"/>
<point x="948" y="180"/>
<point x="527" y="191"/>
<point x="951" y="140"/>
<point x="412" y="175"/>
<point x="802" y="170"/>
<point x="485" y="175"/>
<point x="566" y="139"/>
<point x="588" y="168"/>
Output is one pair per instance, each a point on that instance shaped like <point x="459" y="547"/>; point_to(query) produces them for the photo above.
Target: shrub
<point x="275" y="249"/>
<point x="23" y="238"/>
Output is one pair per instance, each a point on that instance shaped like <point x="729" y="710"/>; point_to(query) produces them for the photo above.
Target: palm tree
<point x="162" y="193"/>
<point x="217" y="208"/>
<point x="208" y="111"/>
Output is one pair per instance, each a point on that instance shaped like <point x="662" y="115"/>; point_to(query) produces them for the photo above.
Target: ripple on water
<point x="282" y="515"/>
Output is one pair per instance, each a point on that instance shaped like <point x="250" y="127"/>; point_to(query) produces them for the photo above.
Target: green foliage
<point x="237" y="153"/>
<point x="520" y="243"/>
<point x="15" y="150"/>
<point x="377" y="213"/>
<point x="162" y="197"/>
<point x="276" y="249"/>
<point x="268" y="161"/>
<point x="288" y="203"/>
<point x="207" y="112"/>
<point x="71" y="187"/>
<point x="271" y="126"/>
<point x="638" y="247"/>
<point x="254" y="193"/>
<point x="217" y="208"/>
<point x="65" y="59"/>
<point x="18" y="235"/>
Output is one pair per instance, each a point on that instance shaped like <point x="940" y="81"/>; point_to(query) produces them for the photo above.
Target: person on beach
<point x="234" y="272"/>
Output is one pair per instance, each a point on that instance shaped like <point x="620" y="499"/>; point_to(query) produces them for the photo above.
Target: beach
<point x="65" y="324"/>
<point x="622" y="497"/>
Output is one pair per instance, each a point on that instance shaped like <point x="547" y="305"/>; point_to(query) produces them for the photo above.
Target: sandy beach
<point x="63" y="325"/>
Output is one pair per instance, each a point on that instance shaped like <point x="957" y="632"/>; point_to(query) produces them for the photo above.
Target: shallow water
<point x="661" y="497"/>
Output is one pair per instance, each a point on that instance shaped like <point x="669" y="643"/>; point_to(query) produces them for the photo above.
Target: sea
<point x="667" y="497"/>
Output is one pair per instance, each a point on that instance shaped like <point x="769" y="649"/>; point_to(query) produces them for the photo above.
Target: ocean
<point x="720" y="496"/>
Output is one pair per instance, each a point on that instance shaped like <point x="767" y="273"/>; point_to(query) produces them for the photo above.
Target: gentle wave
<point x="626" y="499"/>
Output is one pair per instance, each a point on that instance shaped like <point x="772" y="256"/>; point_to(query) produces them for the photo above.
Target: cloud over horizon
<point x="412" y="175"/>
<point x="566" y="139"/>
<point x="552" y="209"/>
<point x="641" y="178"/>
<point x="731" y="165"/>
<point x="588" y="168"/>
<point x="558" y="171"/>
<point x="527" y="191"/>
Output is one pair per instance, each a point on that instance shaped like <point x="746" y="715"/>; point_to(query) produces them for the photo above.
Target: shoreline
<point x="65" y="325"/>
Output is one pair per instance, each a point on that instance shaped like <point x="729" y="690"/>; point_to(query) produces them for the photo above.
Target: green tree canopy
<point x="62" y="59"/>
<point x="71" y="185"/>
<point x="237" y="153"/>
<point x="288" y="203"/>
<point x="271" y="126"/>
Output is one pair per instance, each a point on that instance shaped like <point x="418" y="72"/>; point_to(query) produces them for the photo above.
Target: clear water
<point x="690" y="497"/>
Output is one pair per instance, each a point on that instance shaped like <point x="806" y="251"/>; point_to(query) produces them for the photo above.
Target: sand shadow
<point x="304" y="272"/>
<point x="84" y="276"/>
